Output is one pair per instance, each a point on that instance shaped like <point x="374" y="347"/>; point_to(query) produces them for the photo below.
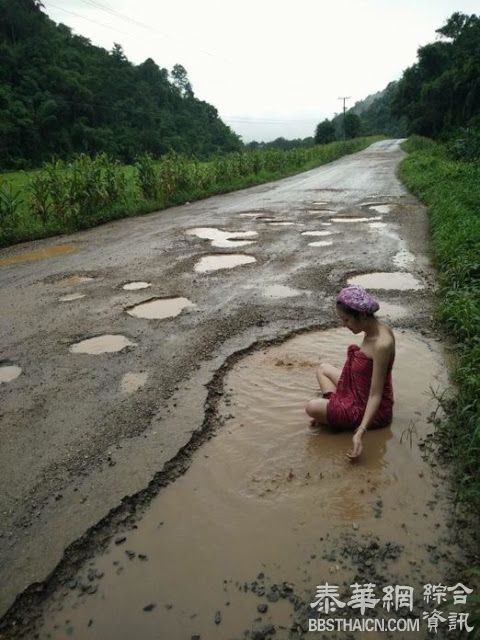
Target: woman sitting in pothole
<point x="360" y="396"/>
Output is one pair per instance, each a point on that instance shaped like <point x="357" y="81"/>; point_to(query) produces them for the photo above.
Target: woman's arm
<point x="381" y="359"/>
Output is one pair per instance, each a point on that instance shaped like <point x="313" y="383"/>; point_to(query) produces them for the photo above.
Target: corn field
<point x="65" y="196"/>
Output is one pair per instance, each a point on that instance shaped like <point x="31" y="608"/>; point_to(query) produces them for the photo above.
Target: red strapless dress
<point x="346" y="405"/>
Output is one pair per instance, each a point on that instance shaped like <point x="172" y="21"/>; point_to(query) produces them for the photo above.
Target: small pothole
<point x="321" y="243"/>
<point x="76" y="279"/>
<point x="159" y="308"/>
<point x="71" y="296"/>
<point x="316" y="233"/>
<point x="381" y="208"/>
<point x="222" y="261"/>
<point x="347" y="219"/>
<point x="9" y="372"/>
<point x="137" y="285"/>
<point x="107" y="343"/>
<point x="223" y="239"/>
<point x="398" y="280"/>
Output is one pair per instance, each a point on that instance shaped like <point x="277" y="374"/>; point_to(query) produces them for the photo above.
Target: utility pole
<point x="344" y="98"/>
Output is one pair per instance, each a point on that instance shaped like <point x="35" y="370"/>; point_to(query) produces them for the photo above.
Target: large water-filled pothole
<point x="381" y="208"/>
<point x="398" y="280"/>
<point x="222" y="261"/>
<point x="9" y="372"/>
<point x="266" y="504"/>
<point x="107" y="343"/>
<point x="159" y="308"/>
<point x="223" y="239"/>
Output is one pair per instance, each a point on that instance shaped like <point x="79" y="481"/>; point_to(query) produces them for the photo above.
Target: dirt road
<point x="81" y="431"/>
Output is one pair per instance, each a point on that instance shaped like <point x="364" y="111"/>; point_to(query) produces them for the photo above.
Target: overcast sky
<point x="271" y="67"/>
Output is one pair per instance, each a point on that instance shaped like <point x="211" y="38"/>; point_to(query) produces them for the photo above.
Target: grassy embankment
<point x="451" y="190"/>
<point x="62" y="198"/>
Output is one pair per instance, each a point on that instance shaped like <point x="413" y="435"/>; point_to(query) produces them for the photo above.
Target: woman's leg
<point x="317" y="410"/>
<point x="327" y="377"/>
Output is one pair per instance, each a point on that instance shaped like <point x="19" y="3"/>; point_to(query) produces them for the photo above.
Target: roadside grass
<point x="65" y="197"/>
<point x="451" y="190"/>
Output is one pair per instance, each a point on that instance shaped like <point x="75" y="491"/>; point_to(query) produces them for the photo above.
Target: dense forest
<point x="60" y="95"/>
<point x="438" y="96"/>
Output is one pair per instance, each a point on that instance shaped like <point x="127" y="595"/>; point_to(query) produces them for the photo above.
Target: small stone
<point x="218" y="617"/>
<point x="120" y="539"/>
<point x="262" y="608"/>
<point x="149" y="607"/>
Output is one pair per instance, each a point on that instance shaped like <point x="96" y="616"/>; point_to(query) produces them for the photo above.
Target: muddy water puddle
<point x="398" y="280"/>
<point x="222" y="261"/>
<point x="267" y="510"/>
<point x="107" y="343"/>
<point x="159" y="308"/>
<point x="9" y="372"/>
<point x="223" y="239"/>
<point x="39" y="254"/>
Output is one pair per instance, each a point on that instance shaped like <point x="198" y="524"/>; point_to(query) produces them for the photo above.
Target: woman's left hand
<point x="357" y="446"/>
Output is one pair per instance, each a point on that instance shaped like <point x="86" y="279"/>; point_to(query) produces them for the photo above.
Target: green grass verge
<point x="451" y="190"/>
<point x="24" y="225"/>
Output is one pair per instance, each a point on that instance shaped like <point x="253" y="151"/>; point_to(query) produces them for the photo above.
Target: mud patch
<point x="159" y="308"/>
<point x="267" y="511"/>
<point x="107" y="343"/>
<point x="133" y="381"/>
<point x="223" y="239"/>
<point x="39" y="254"/>
<point x="9" y="372"/>
<point x="136" y="286"/>
<point x="71" y="296"/>
<point x="398" y="280"/>
<point x="222" y="261"/>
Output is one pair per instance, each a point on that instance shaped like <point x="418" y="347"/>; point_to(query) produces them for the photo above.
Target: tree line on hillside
<point x="438" y="96"/>
<point x="60" y="96"/>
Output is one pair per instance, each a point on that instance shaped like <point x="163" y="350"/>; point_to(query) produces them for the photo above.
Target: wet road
<point x="82" y="431"/>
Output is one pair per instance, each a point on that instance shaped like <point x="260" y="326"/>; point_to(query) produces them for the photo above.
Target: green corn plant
<point x="10" y="202"/>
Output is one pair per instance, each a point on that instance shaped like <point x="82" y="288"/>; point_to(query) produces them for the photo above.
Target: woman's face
<point x="349" y="321"/>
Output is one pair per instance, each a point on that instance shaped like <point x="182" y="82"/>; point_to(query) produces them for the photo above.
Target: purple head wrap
<point x="355" y="297"/>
